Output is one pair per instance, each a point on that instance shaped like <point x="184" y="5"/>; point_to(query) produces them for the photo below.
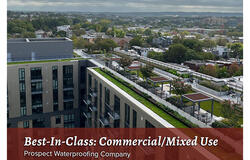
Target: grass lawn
<point x="45" y="61"/>
<point x="206" y="105"/>
<point x="144" y="101"/>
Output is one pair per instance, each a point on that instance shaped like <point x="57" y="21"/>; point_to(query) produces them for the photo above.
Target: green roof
<point x="144" y="101"/>
<point x="45" y="61"/>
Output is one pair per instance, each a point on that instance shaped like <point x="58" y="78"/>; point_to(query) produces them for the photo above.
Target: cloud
<point x="128" y="5"/>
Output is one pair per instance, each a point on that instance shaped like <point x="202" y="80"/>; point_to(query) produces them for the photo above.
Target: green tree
<point x="146" y="71"/>
<point x="236" y="50"/>
<point x="176" y="53"/>
<point x="179" y="87"/>
<point x="137" y="41"/>
<point x="125" y="62"/>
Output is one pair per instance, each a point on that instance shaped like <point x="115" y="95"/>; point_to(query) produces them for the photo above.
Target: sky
<point x="234" y="6"/>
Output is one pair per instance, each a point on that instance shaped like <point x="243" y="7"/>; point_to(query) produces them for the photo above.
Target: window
<point x="100" y="99"/>
<point x="37" y="104"/>
<point x="23" y="111"/>
<point x="68" y="105"/>
<point x="107" y="96"/>
<point x="68" y="94"/>
<point x="55" y="106"/>
<point x="82" y="75"/>
<point x="116" y="123"/>
<point x="89" y="83"/>
<point x="69" y="121"/>
<point x="149" y="125"/>
<point x="127" y="115"/>
<point x="36" y="86"/>
<point x="22" y="99"/>
<point x="58" y="119"/>
<point x="36" y="73"/>
<point x="117" y="104"/>
<point x="21" y="72"/>
<point x="55" y="84"/>
<point x="26" y="124"/>
<point x="38" y="123"/>
<point x="134" y="119"/>
<point x="55" y="72"/>
<point x="68" y="76"/>
<point x="22" y="86"/>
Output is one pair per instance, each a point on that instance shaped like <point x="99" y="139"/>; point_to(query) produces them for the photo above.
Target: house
<point x="122" y="42"/>
<point x="222" y="51"/>
<point x="164" y="41"/>
<point x="65" y="28"/>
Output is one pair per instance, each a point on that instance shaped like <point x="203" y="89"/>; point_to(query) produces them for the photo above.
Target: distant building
<point x="122" y="42"/>
<point x="40" y="34"/>
<point x="65" y="28"/>
<point x="221" y="51"/>
<point x="164" y="41"/>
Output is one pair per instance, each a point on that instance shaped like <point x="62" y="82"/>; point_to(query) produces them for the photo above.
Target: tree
<point x="179" y="87"/>
<point x="193" y="44"/>
<point x="125" y="62"/>
<point x="209" y="70"/>
<point x="155" y="55"/>
<point x="228" y="110"/>
<point x="176" y="53"/>
<point x="105" y="44"/>
<point x="137" y="41"/>
<point x="146" y="71"/>
<point x="222" y="42"/>
<point x="223" y="72"/>
<point x="207" y="43"/>
<point x="233" y="69"/>
<point x="61" y="34"/>
<point x="236" y="50"/>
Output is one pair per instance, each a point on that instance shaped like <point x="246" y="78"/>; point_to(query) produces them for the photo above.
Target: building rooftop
<point x="170" y="119"/>
<point x="45" y="61"/>
<point x="28" y="40"/>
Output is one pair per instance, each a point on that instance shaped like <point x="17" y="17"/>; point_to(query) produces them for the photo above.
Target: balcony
<point x="104" y="121"/>
<point x="87" y="115"/>
<point x="92" y="92"/>
<point x="112" y="114"/>
<point x="87" y="102"/>
<point x="92" y="108"/>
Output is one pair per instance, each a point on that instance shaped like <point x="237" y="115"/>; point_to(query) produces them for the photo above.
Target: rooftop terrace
<point x="143" y="100"/>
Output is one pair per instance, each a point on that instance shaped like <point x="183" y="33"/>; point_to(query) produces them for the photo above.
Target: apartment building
<point x="46" y="94"/>
<point x="107" y="105"/>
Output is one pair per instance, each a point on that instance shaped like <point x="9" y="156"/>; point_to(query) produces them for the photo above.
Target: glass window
<point x="149" y="125"/>
<point x="68" y="94"/>
<point x="68" y="76"/>
<point x="21" y="72"/>
<point x="68" y="105"/>
<point x="127" y="115"/>
<point x="58" y="119"/>
<point x="36" y="73"/>
<point x="22" y="86"/>
<point x="134" y="119"/>
<point x="117" y="104"/>
<point x="26" y="124"/>
<point x="36" y="86"/>
<point x="23" y="111"/>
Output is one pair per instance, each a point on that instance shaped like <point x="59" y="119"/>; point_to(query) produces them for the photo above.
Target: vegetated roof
<point x="159" y="79"/>
<point x="196" y="97"/>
